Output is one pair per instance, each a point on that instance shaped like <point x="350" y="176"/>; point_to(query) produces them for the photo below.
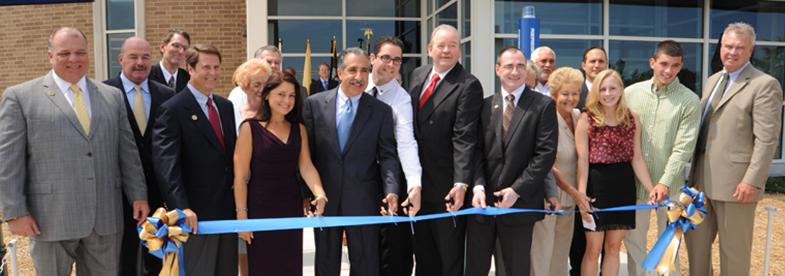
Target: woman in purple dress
<point x="270" y="150"/>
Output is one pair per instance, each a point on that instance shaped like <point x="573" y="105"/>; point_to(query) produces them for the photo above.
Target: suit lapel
<point x="97" y="104"/>
<point x="328" y="111"/>
<point x="227" y="124"/>
<point x="496" y="118"/>
<point x="741" y="81"/>
<point x="442" y="91"/>
<point x="362" y="116"/>
<point x="201" y="121"/>
<point x="56" y="96"/>
<point x="520" y="109"/>
<point x="116" y="82"/>
<point x="155" y="102"/>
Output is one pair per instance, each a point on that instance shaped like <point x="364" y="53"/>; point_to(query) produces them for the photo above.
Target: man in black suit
<point x="324" y="82"/>
<point x="446" y="100"/>
<point x="142" y="98"/>
<point x="168" y="71"/>
<point x="353" y="148"/>
<point x="518" y="148"/>
<point x="595" y="59"/>
<point x="193" y="144"/>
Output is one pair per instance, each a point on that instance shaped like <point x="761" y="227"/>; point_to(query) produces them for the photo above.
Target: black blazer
<point x="193" y="169"/>
<point x="316" y="85"/>
<point x="357" y="179"/>
<point x="446" y="130"/>
<point x="584" y="94"/>
<point x="159" y="93"/>
<point x="182" y="79"/>
<point x="523" y="158"/>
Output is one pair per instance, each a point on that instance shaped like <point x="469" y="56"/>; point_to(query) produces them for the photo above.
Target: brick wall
<point x="24" y="35"/>
<point x="220" y="23"/>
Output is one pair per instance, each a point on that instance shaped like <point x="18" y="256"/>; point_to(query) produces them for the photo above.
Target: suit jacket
<point x="523" y="158"/>
<point x="193" y="169"/>
<point x="446" y="130"/>
<point x="68" y="181"/>
<point x="182" y="79"/>
<point x="357" y="179"/>
<point x="584" y="94"/>
<point x="159" y="93"/>
<point x="742" y="136"/>
<point x="316" y="85"/>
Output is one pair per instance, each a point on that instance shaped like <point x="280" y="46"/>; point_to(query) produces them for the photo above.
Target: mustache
<point x="355" y="82"/>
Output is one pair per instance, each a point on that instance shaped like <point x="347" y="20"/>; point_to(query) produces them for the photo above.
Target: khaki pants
<point x="734" y="222"/>
<point x="551" y="244"/>
<point x="635" y="240"/>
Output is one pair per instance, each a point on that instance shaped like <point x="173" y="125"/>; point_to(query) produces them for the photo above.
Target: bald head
<point x="135" y="59"/>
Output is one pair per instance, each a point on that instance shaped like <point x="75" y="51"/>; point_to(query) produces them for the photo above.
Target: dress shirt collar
<point x="441" y="75"/>
<point x="664" y="90"/>
<point x="381" y="89"/>
<point x="167" y="75"/>
<point x="200" y="97"/>
<point x="733" y="75"/>
<point x="588" y="85"/>
<point x="342" y="98"/>
<point x="64" y="86"/>
<point x="517" y="93"/>
<point x="128" y="85"/>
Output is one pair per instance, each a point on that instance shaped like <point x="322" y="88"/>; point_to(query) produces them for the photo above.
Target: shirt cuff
<point x="478" y="189"/>
<point x="461" y="185"/>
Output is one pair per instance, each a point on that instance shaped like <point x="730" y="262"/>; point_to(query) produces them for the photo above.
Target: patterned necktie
<point x="80" y="108"/>
<point x="507" y="115"/>
<point x="714" y="101"/>
<point x="345" y="124"/>
<point x="139" y="113"/>
<point x="215" y="121"/>
<point x="428" y="91"/>
<point x="171" y="82"/>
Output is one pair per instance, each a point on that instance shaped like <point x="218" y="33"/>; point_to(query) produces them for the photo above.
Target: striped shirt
<point x="669" y="121"/>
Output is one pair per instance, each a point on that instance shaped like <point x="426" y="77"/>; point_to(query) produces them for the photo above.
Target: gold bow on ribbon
<point x="683" y="216"/>
<point x="164" y="234"/>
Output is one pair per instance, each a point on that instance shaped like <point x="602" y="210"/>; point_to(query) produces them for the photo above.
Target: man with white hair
<point x="545" y="58"/>
<point x="737" y="139"/>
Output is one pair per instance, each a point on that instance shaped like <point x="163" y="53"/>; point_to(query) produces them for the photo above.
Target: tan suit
<point x="741" y="140"/>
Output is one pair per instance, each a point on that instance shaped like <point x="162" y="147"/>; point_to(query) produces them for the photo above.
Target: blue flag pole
<point x="528" y="31"/>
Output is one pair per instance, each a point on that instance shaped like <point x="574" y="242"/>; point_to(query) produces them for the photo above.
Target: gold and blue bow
<point x="683" y="216"/>
<point x="164" y="234"/>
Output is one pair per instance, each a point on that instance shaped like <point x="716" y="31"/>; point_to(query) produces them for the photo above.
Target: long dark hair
<point x="295" y="116"/>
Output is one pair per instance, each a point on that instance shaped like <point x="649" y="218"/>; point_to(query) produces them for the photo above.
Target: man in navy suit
<point x="142" y="98"/>
<point x="324" y="82"/>
<point x="353" y="148"/>
<point x="193" y="145"/>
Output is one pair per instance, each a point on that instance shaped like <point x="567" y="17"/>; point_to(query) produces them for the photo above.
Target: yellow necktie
<point x="80" y="107"/>
<point x="139" y="114"/>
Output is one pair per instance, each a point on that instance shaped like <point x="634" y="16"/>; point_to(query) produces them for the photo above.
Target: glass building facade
<point x="627" y="29"/>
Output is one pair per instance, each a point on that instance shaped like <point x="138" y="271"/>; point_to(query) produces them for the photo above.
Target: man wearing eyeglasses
<point x="396" y="240"/>
<point x="168" y="71"/>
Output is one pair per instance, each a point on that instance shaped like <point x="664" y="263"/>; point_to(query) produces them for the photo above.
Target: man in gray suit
<point x="68" y="150"/>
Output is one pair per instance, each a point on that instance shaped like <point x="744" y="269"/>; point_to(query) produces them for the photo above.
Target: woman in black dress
<point x="270" y="150"/>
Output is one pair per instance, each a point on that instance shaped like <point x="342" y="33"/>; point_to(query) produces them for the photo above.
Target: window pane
<point x="293" y="34"/>
<point x="657" y="18"/>
<point x="466" y="56"/>
<point x="408" y="31"/>
<point x="467" y="16"/>
<point x="113" y="44"/>
<point x="408" y="65"/>
<point x="119" y="14"/>
<point x="387" y="8"/>
<point x="556" y="17"/>
<point x="765" y="16"/>
<point x="448" y="16"/>
<point x="440" y="3"/>
<point x="631" y="60"/>
<point x="304" y="7"/>
<point x="297" y="64"/>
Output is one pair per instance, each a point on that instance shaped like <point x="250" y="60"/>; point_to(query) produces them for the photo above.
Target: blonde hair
<point x="242" y="76"/>
<point x="594" y="107"/>
<point x="562" y="78"/>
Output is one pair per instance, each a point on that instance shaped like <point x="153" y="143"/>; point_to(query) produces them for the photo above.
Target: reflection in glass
<point x="119" y="14"/>
<point x="631" y="60"/>
<point x="556" y="17"/>
<point x="408" y="65"/>
<point x="765" y="16"/>
<point x="407" y="31"/>
<point x="114" y="42"/>
<point x="386" y="8"/>
<point x="448" y="16"/>
<point x="304" y="7"/>
<point x="293" y="34"/>
<point x="657" y="18"/>
<point x="466" y="56"/>
<point x="440" y="3"/>
<point x="467" y="16"/>
<point x="297" y="64"/>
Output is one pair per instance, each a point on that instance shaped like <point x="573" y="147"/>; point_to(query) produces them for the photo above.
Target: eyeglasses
<point x="179" y="46"/>
<point x="387" y="59"/>
<point x="509" y="67"/>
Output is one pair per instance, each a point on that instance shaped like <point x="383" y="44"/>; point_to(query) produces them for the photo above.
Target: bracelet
<point x="241" y="210"/>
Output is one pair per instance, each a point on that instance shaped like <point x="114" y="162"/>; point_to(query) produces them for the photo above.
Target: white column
<point x="256" y="25"/>
<point x="483" y="44"/>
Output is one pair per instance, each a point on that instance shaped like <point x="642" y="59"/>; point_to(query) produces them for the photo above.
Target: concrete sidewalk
<point x="309" y="252"/>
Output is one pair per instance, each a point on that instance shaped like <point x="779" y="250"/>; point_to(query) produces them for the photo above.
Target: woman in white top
<point x="553" y="235"/>
<point x="250" y="77"/>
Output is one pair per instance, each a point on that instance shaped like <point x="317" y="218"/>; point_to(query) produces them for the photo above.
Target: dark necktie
<point x="428" y="91"/>
<point x="714" y="101"/>
<point x="215" y="121"/>
<point x="507" y="116"/>
<point x="375" y="92"/>
<point x="171" y="82"/>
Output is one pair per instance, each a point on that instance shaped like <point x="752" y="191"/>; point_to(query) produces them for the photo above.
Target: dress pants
<point x="210" y="255"/>
<point x="734" y="222"/>
<point x="439" y="244"/>
<point x="551" y="245"/>
<point x="134" y="258"/>
<point x="396" y="249"/>
<point x="363" y="242"/>
<point x="635" y="240"/>
<point x="515" y="240"/>
<point x="94" y="255"/>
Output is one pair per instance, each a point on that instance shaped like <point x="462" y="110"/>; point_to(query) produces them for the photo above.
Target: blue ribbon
<point x="169" y="242"/>
<point x="273" y="224"/>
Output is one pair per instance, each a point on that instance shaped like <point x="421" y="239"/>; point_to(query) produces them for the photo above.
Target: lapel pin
<point x="495" y="106"/>
<point x="193" y="117"/>
<point x="50" y="92"/>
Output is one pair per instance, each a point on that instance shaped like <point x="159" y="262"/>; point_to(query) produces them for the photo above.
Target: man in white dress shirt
<point x="396" y="247"/>
<point x="545" y="58"/>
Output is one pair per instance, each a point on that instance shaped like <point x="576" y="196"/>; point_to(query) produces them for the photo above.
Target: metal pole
<point x="771" y="210"/>
<point x="14" y="261"/>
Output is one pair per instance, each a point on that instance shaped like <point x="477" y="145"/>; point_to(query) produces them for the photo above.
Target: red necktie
<point x="215" y="121"/>
<point x="429" y="90"/>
